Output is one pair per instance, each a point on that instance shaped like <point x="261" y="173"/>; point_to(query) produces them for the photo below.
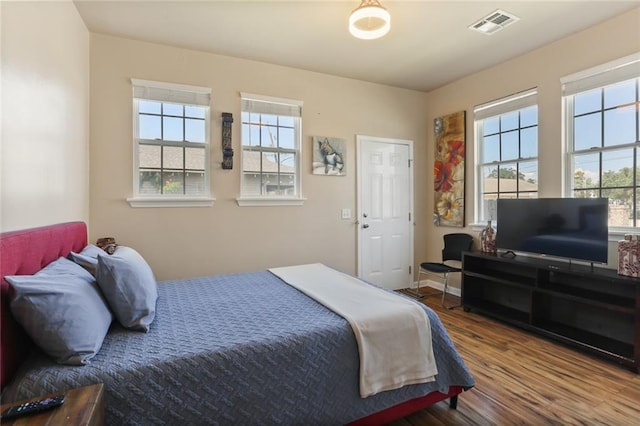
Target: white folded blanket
<point x="393" y="333"/>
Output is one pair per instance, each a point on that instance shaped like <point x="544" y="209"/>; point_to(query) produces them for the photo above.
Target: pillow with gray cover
<point x="62" y="310"/>
<point x="128" y="283"/>
<point x="88" y="257"/>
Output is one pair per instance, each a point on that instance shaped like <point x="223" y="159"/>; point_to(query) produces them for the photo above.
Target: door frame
<point x="360" y="141"/>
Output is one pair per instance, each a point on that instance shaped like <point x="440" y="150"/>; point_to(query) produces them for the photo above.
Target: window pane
<point x="173" y="157"/>
<point x="509" y="121"/>
<point x="529" y="116"/>
<point x="254" y="118"/>
<point x="529" y="142"/>
<point x="490" y="179"/>
<point x="508" y="179"/>
<point x="587" y="131"/>
<point x="250" y="135"/>
<point x="269" y="136"/>
<point x="587" y="102"/>
<point x="489" y="206"/>
<point x="268" y="119"/>
<point x="617" y="168"/>
<point x="194" y="130"/>
<point x="586" y="171"/>
<point x="491" y="126"/>
<point x="620" y="94"/>
<point x="149" y="156"/>
<point x="149" y="107"/>
<point x="620" y="206"/>
<point x="172" y="109"/>
<point x="286" y="121"/>
<point x="620" y="126"/>
<point x="251" y="184"/>
<point x="586" y="193"/>
<point x="172" y="183"/>
<point x="286" y="138"/>
<point x="194" y="182"/>
<point x="528" y="176"/>
<point x="251" y="161"/>
<point x="270" y="162"/>
<point x="287" y="163"/>
<point x="194" y="111"/>
<point x="150" y="182"/>
<point x="172" y="129"/>
<point x="510" y="149"/>
<point x="194" y="158"/>
<point x="287" y="184"/>
<point x="491" y="149"/>
<point x="149" y="126"/>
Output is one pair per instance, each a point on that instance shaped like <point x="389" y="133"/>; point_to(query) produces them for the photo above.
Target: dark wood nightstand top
<point x="82" y="407"/>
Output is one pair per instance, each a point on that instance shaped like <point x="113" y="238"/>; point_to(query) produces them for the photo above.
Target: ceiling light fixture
<point x="369" y="20"/>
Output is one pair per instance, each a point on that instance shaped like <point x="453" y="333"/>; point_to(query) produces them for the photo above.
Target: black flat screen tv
<point x="573" y="228"/>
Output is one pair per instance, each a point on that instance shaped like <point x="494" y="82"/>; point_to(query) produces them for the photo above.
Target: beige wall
<point x="45" y="115"/>
<point x="185" y="242"/>
<point x="543" y="69"/>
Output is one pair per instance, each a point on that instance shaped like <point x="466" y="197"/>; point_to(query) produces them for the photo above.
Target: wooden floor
<point x="525" y="379"/>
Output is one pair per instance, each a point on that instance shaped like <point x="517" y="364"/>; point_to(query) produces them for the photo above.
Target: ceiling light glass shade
<point x="369" y="21"/>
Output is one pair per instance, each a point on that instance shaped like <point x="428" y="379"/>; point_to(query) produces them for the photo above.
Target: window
<point x="271" y="152"/>
<point x="171" y="138"/>
<point x="507" y="146"/>
<point x="602" y="134"/>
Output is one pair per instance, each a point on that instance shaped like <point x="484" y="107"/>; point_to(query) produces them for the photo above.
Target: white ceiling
<point x="429" y="44"/>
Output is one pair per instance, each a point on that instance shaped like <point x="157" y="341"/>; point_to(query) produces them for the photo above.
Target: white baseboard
<point x="438" y="286"/>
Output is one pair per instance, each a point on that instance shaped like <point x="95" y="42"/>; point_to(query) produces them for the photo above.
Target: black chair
<point x="454" y="245"/>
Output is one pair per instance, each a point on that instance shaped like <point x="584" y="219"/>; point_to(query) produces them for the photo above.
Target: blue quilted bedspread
<point x="240" y="349"/>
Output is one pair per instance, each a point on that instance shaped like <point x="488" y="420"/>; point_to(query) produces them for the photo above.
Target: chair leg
<point x="416" y="293"/>
<point x="444" y="292"/>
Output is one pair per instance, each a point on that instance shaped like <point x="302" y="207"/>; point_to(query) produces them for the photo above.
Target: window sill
<point x="269" y="201"/>
<point x="171" y="201"/>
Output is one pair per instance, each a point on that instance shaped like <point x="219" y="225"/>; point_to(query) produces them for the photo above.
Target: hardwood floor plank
<point x="523" y="378"/>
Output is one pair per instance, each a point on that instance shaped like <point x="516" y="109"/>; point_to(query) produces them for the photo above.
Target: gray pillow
<point x="62" y="310"/>
<point x="129" y="286"/>
<point x="88" y="257"/>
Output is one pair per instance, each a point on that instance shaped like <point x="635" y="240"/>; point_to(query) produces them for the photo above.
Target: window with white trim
<point x="603" y="137"/>
<point x="507" y="147"/>
<point x="271" y="149"/>
<point x="171" y="138"/>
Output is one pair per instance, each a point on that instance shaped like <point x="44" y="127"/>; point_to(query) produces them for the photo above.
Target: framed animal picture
<point x="329" y="156"/>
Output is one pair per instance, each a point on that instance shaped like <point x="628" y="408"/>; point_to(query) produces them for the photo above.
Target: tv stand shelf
<point x="593" y="309"/>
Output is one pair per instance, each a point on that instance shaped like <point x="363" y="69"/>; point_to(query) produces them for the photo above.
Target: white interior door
<point x="385" y="210"/>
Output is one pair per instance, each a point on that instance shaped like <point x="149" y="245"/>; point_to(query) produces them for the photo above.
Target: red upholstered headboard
<point x="24" y="253"/>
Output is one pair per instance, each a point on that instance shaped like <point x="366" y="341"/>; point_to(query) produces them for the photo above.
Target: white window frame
<point x="179" y="94"/>
<point x="275" y="106"/>
<point x="599" y="77"/>
<point x="508" y="104"/>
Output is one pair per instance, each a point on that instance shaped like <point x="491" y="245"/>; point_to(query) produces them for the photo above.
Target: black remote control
<point x="32" y="407"/>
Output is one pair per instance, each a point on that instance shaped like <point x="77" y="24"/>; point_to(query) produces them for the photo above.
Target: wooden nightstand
<point x="82" y="407"/>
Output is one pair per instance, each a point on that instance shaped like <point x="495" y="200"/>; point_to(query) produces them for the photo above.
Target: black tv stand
<point x="593" y="309"/>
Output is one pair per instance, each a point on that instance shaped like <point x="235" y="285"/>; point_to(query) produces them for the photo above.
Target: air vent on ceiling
<point x="494" y="22"/>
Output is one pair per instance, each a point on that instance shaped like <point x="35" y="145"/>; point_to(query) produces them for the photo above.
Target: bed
<point x="224" y="349"/>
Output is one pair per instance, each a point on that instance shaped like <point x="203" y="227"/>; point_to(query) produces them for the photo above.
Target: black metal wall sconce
<point x="227" y="150"/>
